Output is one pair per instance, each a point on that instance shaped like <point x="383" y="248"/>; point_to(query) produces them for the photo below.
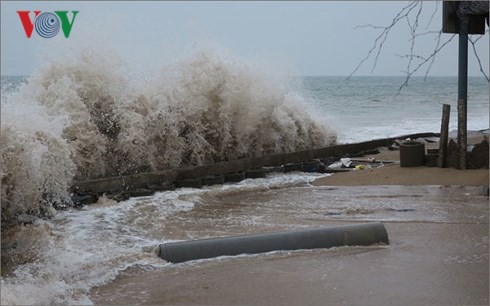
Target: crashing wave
<point x="201" y="110"/>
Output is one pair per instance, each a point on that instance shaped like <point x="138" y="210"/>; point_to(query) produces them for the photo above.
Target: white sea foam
<point x="61" y="259"/>
<point x="86" y="117"/>
<point x="36" y="164"/>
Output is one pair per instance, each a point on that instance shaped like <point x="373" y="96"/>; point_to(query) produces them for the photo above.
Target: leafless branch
<point x="438" y="43"/>
<point x="381" y="38"/>
<point x="436" y="9"/>
<point x="473" y="42"/>
<point x="368" y="26"/>
<point x="400" y="16"/>
<point x="424" y="34"/>
<point x="433" y="54"/>
<point x="411" y="14"/>
<point x="413" y="31"/>
<point x="415" y="56"/>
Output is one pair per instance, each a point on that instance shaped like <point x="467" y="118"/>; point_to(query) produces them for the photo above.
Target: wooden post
<point x="442" y="161"/>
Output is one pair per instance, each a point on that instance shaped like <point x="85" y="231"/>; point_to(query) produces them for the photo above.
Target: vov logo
<point x="47" y="24"/>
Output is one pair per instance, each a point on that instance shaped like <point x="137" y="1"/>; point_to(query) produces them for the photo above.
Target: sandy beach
<point x="438" y="254"/>
<point x="396" y="175"/>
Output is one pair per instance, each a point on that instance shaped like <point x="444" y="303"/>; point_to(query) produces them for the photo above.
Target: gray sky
<point x="316" y="38"/>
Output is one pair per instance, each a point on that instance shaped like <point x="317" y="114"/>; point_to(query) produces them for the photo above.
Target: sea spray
<point x="95" y="120"/>
<point x="87" y="117"/>
<point x="227" y="112"/>
<point x="86" y="90"/>
<point x="36" y="165"/>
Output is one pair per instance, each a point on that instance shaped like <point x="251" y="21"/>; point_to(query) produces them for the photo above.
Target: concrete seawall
<point x="121" y="187"/>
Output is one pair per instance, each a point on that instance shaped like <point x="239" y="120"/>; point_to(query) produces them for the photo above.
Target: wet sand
<point x="424" y="265"/>
<point x="396" y="175"/>
<point x="393" y="174"/>
<point x="438" y="252"/>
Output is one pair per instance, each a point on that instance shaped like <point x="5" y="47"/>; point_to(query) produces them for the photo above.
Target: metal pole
<point x="442" y="161"/>
<point x="462" y="90"/>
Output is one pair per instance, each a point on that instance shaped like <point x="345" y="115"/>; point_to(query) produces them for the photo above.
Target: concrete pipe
<point x="359" y="234"/>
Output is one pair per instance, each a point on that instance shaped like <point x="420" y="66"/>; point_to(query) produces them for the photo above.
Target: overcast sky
<point x="317" y="38"/>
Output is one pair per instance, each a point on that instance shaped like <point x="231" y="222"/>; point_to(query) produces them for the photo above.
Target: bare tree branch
<point x="473" y="42"/>
<point x="438" y="43"/>
<point x="413" y="56"/>
<point x="381" y="38"/>
<point x="413" y="29"/>
<point x="411" y="14"/>
<point x="425" y="33"/>
<point x="368" y="26"/>
<point x="433" y="14"/>
<point x="434" y="53"/>
<point x="400" y="16"/>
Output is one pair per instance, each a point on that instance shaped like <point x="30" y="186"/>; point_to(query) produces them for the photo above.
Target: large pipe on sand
<point x="359" y="234"/>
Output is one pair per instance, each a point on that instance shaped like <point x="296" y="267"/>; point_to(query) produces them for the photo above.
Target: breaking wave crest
<point x="87" y="117"/>
<point x="36" y="165"/>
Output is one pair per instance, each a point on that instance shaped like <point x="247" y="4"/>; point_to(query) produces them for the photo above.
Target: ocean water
<point x="365" y="108"/>
<point x="90" y="118"/>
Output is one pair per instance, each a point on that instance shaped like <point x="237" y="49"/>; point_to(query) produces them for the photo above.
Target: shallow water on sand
<point x="61" y="260"/>
<point x="429" y="213"/>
